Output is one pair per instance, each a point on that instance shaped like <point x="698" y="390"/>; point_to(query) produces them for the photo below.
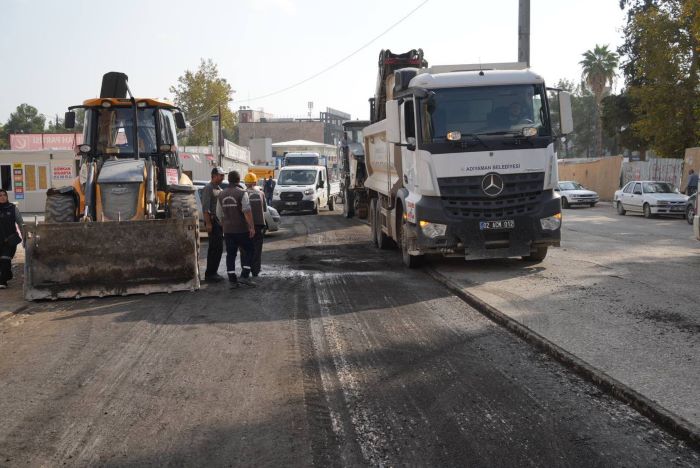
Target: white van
<point x="303" y="188"/>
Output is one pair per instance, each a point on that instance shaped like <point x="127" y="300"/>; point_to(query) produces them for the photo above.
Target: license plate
<point x="504" y="224"/>
<point x="291" y="203"/>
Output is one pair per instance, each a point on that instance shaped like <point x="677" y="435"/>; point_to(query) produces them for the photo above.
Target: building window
<point x="6" y="177"/>
<point x="35" y="177"/>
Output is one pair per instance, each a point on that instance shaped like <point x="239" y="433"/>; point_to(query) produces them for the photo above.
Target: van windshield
<point x="301" y="161"/>
<point x="297" y="177"/>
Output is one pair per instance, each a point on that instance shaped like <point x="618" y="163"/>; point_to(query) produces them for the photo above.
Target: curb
<point x="669" y="421"/>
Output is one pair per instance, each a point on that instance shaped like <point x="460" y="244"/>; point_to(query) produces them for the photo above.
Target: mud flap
<point x="72" y="260"/>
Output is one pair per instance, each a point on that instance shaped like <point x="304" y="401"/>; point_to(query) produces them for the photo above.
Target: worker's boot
<point x="5" y="272"/>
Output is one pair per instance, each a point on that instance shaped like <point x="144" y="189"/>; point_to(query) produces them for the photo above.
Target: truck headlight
<point x="551" y="223"/>
<point x="309" y="191"/>
<point x="276" y="193"/>
<point x="432" y="230"/>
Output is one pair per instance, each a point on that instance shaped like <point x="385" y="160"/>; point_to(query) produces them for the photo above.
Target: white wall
<point x="46" y="169"/>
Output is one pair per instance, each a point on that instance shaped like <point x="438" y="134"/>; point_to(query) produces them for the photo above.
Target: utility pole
<point x="524" y="32"/>
<point x="221" y="139"/>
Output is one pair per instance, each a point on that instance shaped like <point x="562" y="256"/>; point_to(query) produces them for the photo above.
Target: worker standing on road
<point x="10" y="218"/>
<point x="258" y="207"/>
<point x="692" y="183"/>
<point x="212" y="224"/>
<point x="234" y="211"/>
<point x="269" y="188"/>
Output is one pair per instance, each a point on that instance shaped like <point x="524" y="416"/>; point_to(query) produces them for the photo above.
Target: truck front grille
<point x="291" y="196"/>
<point x="463" y="197"/>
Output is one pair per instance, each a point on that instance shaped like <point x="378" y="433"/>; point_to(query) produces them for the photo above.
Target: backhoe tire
<point x="60" y="208"/>
<point x="183" y="205"/>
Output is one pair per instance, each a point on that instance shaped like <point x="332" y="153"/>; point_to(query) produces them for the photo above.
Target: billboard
<point x="44" y="141"/>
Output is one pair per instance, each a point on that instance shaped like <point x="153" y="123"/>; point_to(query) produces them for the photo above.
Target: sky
<point x="53" y="53"/>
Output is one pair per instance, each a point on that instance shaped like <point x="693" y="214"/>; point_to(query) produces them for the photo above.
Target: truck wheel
<point x="315" y="209"/>
<point x="348" y="202"/>
<point x="373" y="221"/>
<point x="60" y="207"/>
<point x="361" y="210"/>
<point x="411" y="261"/>
<point x="331" y="203"/>
<point x="537" y="256"/>
<point x="383" y="241"/>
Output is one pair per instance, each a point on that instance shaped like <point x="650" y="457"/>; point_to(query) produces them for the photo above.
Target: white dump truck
<point x="461" y="162"/>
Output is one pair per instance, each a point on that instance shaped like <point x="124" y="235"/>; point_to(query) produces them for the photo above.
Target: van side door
<point x="322" y="188"/>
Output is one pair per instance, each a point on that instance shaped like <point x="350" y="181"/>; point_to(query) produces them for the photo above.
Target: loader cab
<point x="123" y="142"/>
<point x="108" y="133"/>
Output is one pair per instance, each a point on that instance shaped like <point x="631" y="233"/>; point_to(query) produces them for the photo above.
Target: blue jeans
<point x="233" y="243"/>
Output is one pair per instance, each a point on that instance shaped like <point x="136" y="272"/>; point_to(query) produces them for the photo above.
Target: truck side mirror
<point x="320" y="184"/>
<point x="180" y="121"/>
<point x="69" y="120"/>
<point x="566" y="118"/>
<point x="393" y="134"/>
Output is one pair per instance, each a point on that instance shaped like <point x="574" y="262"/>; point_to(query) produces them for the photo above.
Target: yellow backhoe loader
<point x="129" y="222"/>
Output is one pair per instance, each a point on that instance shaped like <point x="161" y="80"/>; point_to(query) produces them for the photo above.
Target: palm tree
<point x="598" y="70"/>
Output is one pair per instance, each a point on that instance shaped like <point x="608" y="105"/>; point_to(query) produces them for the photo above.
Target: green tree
<point x="4" y="144"/>
<point x="598" y="67"/>
<point x="58" y="125"/>
<point x="199" y="94"/>
<point x="25" y="119"/>
<point x="618" y="118"/>
<point x="662" y="71"/>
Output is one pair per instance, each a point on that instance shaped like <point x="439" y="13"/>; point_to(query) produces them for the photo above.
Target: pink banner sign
<point x="44" y="141"/>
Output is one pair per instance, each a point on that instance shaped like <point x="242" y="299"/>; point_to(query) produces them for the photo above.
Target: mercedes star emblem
<point x="492" y="185"/>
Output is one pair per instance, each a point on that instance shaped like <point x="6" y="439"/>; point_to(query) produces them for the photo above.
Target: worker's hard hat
<point x="250" y="178"/>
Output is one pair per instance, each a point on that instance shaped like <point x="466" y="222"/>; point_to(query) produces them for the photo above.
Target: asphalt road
<point x="339" y="357"/>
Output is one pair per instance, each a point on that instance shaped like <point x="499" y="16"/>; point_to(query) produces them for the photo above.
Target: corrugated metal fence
<point x="665" y="170"/>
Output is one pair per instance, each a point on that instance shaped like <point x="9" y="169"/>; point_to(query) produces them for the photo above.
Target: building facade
<point x="325" y="129"/>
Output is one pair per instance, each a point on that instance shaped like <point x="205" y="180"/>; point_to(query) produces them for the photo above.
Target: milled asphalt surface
<point x="621" y="294"/>
<point x="341" y="357"/>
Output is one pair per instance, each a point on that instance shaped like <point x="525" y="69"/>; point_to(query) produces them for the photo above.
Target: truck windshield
<point x="297" y="177"/>
<point x="488" y="110"/>
<point x="115" y="132"/>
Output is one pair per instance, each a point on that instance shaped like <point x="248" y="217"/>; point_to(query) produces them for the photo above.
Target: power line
<point x="330" y="67"/>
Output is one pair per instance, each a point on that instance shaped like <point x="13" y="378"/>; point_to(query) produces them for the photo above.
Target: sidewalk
<point x="616" y="295"/>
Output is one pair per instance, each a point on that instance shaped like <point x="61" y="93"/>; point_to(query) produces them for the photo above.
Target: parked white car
<point x="650" y="198"/>
<point x="572" y="193"/>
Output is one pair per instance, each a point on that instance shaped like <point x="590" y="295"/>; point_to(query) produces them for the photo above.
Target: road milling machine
<point x="128" y="224"/>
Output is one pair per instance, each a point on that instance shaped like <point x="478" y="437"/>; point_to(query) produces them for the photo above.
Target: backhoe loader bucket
<point x="72" y="260"/>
